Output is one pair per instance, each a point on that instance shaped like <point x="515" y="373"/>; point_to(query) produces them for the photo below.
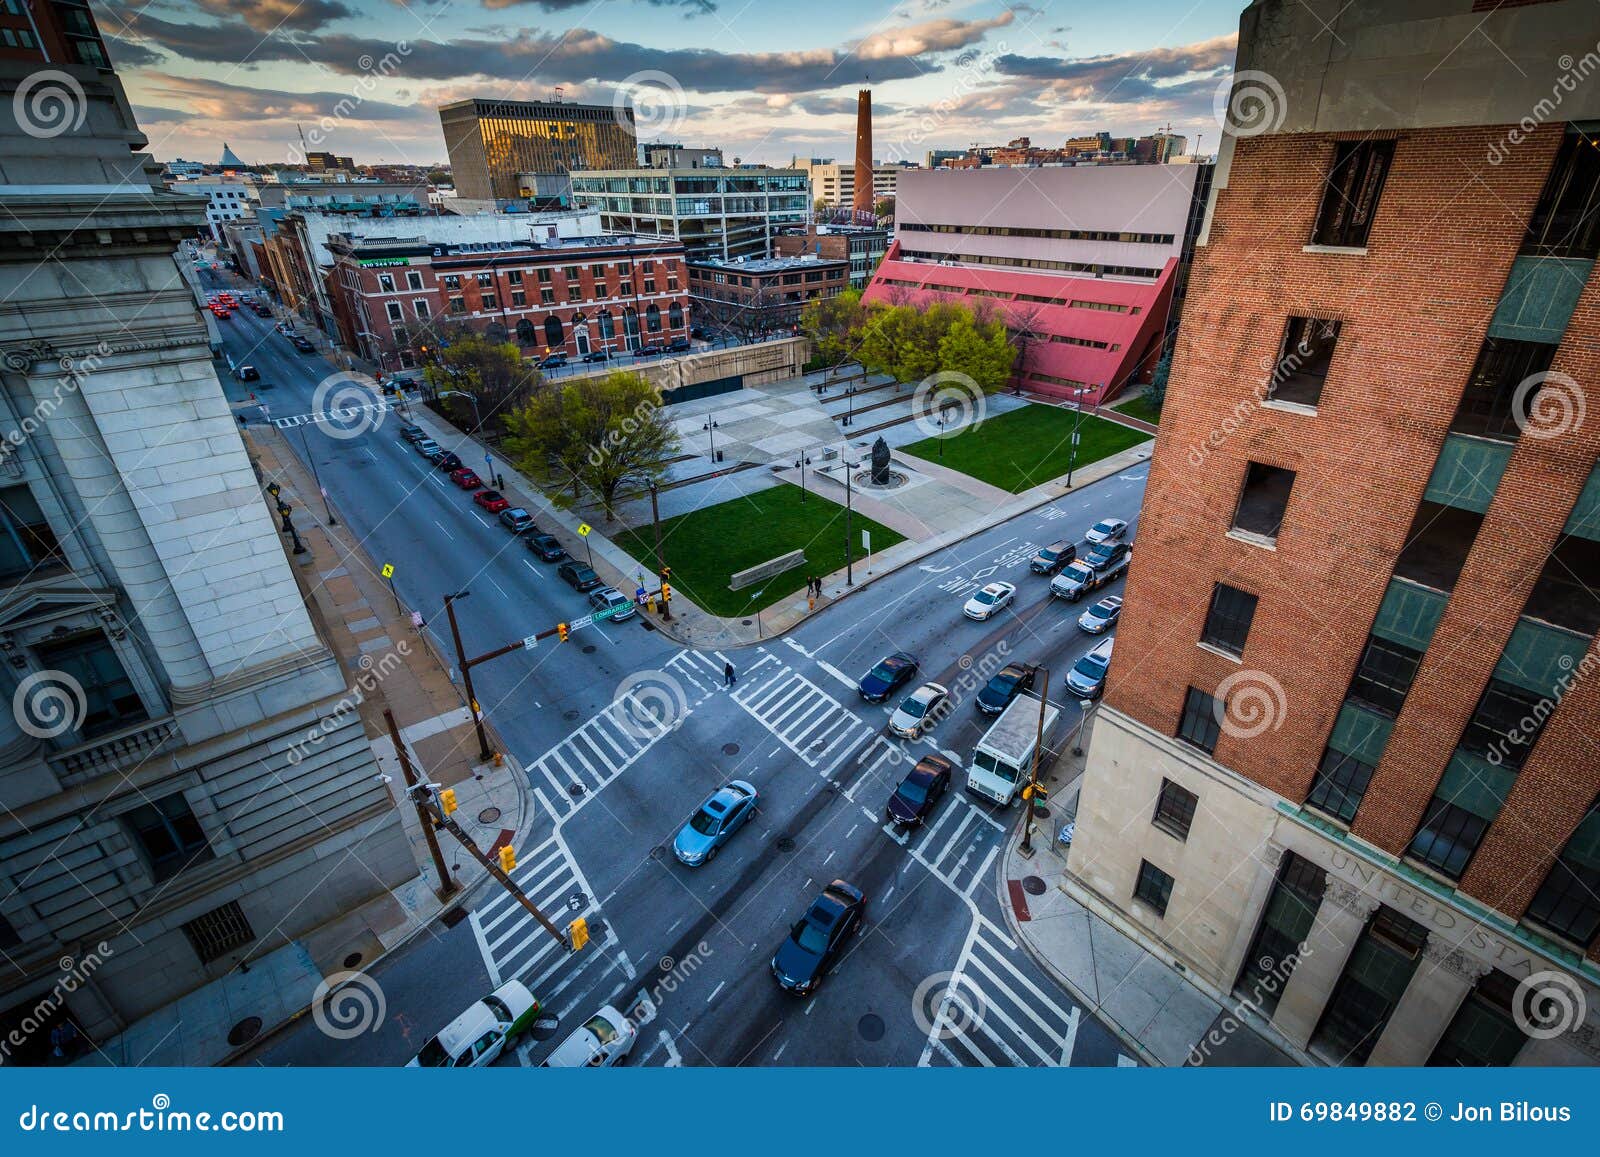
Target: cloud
<point x="150" y="115"/>
<point x="929" y="36"/>
<point x="696" y="7"/>
<point x="275" y="15"/>
<point x="1126" y="76"/>
<point x="216" y="100"/>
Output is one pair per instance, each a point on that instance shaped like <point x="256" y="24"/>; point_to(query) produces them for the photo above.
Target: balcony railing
<point x="106" y="753"/>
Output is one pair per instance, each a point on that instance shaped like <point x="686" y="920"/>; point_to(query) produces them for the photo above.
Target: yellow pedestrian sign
<point x="388" y="570"/>
<point x="583" y="529"/>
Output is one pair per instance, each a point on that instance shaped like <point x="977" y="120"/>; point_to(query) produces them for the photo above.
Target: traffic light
<point x="561" y="631"/>
<point x="447" y="800"/>
<point x="578" y="933"/>
<point x="665" y="573"/>
<point x="666" y="593"/>
<point x="508" y="858"/>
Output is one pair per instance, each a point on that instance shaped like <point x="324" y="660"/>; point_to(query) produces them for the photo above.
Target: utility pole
<point x="484" y="751"/>
<point x="1072" y="452"/>
<point x="1033" y="772"/>
<point x="447" y="886"/>
<point x="849" y="546"/>
<point x="312" y="462"/>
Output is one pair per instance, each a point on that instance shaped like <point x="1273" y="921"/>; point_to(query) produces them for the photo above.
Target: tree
<point x="883" y="207"/>
<point x="1157" y="392"/>
<point x="832" y="324"/>
<point x="494" y="373"/>
<point x="593" y="433"/>
<point x="983" y="353"/>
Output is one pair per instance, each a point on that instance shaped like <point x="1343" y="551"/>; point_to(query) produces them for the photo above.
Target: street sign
<point x="639" y="596"/>
<point x="579" y="624"/>
<point x="529" y="642"/>
<point x="583" y="529"/>
<point x="866" y="541"/>
<point x="388" y="570"/>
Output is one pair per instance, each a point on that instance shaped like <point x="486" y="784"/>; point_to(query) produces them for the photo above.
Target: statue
<point x="880" y="462"/>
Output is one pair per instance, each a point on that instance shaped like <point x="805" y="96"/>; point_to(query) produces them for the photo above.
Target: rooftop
<point x="769" y="264"/>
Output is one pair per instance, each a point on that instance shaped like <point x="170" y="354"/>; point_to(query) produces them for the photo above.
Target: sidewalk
<point x="1156" y="1011"/>
<point x="389" y="663"/>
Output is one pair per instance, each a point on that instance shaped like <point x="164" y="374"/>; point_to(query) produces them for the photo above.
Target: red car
<point x="465" y="479"/>
<point x="222" y="313"/>
<point x="491" y="500"/>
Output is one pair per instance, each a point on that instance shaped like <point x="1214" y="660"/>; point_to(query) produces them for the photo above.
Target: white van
<point x="1003" y="763"/>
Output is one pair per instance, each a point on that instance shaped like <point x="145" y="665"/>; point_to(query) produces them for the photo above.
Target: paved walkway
<point x="389" y="663"/>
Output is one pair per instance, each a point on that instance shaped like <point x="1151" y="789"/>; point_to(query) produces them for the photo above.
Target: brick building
<point x="572" y="296"/>
<point x="863" y="246"/>
<point x="764" y="296"/>
<point x="1346" y="770"/>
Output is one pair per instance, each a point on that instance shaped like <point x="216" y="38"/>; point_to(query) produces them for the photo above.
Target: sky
<point x="766" y="80"/>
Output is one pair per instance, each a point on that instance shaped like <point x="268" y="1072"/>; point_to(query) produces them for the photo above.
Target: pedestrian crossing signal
<point x="578" y="933"/>
<point x="447" y="800"/>
<point x="561" y="631"/>
<point x="508" y="858"/>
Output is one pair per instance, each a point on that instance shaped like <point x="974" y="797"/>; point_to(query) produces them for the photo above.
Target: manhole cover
<point x="870" y="1027"/>
<point x="588" y="649"/>
<point x="352" y="960"/>
<point x="245" y="1031"/>
<point x="453" y="917"/>
<point x="784" y="843"/>
<point x="1033" y="885"/>
<point x="576" y="901"/>
<point x="730" y="749"/>
<point x="544" y="1028"/>
<point x="569" y="716"/>
<point x="659" y="852"/>
<point x="575" y="789"/>
<point x="747" y="622"/>
<point x="489" y="815"/>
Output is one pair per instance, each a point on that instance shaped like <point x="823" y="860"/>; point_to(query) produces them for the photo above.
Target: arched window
<point x="527" y="333"/>
<point x="553" y="335"/>
<point x="675" y="316"/>
<point x="630" y="327"/>
<point x="608" y="326"/>
<point x="652" y="318"/>
<point x="495" y="332"/>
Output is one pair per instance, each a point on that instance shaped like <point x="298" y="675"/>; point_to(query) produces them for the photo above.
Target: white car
<point x="1106" y="530"/>
<point x="992" y="598"/>
<point x="605" y="1039"/>
<point x="919" y="711"/>
<point x="479" y="1035"/>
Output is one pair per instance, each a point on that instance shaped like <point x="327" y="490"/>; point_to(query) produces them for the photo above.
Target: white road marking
<point x="716" y="990"/>
<point x="442" y="530"/>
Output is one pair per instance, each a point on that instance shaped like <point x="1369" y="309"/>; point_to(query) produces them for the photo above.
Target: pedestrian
<point x="728" y="678"/>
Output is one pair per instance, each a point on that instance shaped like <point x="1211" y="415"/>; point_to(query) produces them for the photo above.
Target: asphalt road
<point x="622" y="733"/>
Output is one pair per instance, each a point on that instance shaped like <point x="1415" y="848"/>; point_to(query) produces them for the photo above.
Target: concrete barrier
<point x="772" y="566"/>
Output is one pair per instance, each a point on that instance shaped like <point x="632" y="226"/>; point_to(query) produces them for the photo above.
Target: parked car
<point x="725" y="811"/>
<point x="604" y="1040"/>
<point x="679" y="345"/>
<point x="1087" y="679"/>
<point x="221" y="312"/>
<point x="919" y="711"/>
<point x="891" y="673"/>
<point x="919" y="792"/>
<point x="699" y="332"/>
<point x="516" y="520"/>
<point x="482" y="1032"/>
<point x="1053" y="557"/>
<point x="1106" y="530"/>
<point x="989" y="601"/>
<point x="428" y="448"/>
<point x="815" y="942"/>
<point x="247" y="374"/>
<point x="613" y="600"/>
<point x="1101" y="617"/>
<point x="466" y="479"/>
<point x="1008" y="682"/>
<point x="578" y="576"/>
<point x="553" y="362"/>
<point x="302" y="344"/>
<point x="492" y="501"/>
<point x="1105" y="554"/>
<point x="597" y="356"/>
<point x="412" y="433"/>
<point x="649" y="351"/>
<point x="449" y="461"/>
<point x="545" y="547"/>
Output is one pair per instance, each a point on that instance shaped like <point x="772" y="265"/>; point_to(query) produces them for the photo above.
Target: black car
<point x="887" y="677"/>
<point x="448" y="461"/>
<point x="919" y="792"/>
<point x="649" y="351"/>
<point x="699" y="332"/>
<point x="578" y="576"/>
<point x="679" y="345"/>
<point x="302" y="344"/>
<point x="1052" y="558"/>
<point x="553" y="362"/>
<point x="1008" y="682"/>
<point x="412" y="433"/>
<point x="597" y="356"/>
<point x="1104" y="554"/>
<point x="545" y="547"/>
<point x="247" y="374"/>
<point x="516" y="520"/>
<point x="815" y="942"/>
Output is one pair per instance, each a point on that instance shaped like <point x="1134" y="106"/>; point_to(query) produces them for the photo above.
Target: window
<point x="170" y="836"/>
<point x="385" y="283"/>
<point x="421" y="308"/>
<point x="1566" y="222"/>
<point x="1384" y="675"/>
<point x="1340" y="783"/>
<point x="547" y="297"/>
<point x="1505" y="724"/>
<point x="1374" y="979"/>
<point x="574" y="292"/>
<point x="218" y="932"/>
<point x="1490" y="406"/>
<point x="485" y="280"/>
<point x="1175" y="809"/>
<point x="1303" y="360"/>
<point x="488" y="301"/>
<point x="1350" y="193"/>
<point x="514" y="276"/>
<point x="1568" y="902"/>
<point x="1263" y="500"/>
<point x="1447" y="838"/>
<point x="625" y="289"/>
<point x="649" y="285"/>
<point x="1483" y="1033"/>
<point x="527" y="333"/>
<point x="451" y="281"/>
<point x="1202" y="720"/>
<point x="394" y="311"/>
<point x="675" y="316"/>
<point x="553" y="335"/>
<point x="652" y="318"/>
<point x="544" y="277"/>
<point x="1228" y="620"/>
<point x="26" y="541"/>
<point x="413" y="279"/>
<point x="1286" y="921"/>
<point x="1153" y="888"/>
<point x="519" y="299"/>
<point x="458" y="305"/>
<point x="570" y="273"/>
<point x="110" y="699"/>
<point x="8" y="935"/>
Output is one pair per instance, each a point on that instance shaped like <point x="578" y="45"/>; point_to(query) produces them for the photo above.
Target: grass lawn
<point x="1140" y="408"/>
<point x="1022" y="448"/>
<point x="706" y="546"/>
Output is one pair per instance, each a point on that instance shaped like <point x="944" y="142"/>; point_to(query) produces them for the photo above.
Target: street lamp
<point x="312" y="462"/>
<point x="801" y="465"/>
<point x="849" y="543"/>
<point x="711" y="428"/>
<point x="1072" y="452"/>
<point x="1084" y="706"/>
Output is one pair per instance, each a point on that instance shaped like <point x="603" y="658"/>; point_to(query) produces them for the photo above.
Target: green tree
<point x="1157" y="393"/>
<point x="492" y="372"/>
<point x="983" y="353"/>
<point x="593" y="433"/>
<point x="832" y="324"/>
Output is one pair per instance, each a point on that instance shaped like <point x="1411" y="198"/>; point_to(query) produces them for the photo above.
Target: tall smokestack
<point x="862" y="202"/>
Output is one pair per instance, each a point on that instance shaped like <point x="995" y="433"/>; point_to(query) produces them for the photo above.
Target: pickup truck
<point x="1089" y="574"/>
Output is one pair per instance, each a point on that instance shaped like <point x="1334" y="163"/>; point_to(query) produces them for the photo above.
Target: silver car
<point x="919" y="711"/>
<point x="613" y="600"/>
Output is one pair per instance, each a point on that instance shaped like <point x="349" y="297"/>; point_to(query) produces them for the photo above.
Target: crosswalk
<point x="799" y="714"/>
<point x="959" y="845"/>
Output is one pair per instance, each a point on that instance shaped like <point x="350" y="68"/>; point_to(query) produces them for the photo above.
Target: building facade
<point x="572" y="297"/>
<point x="491" y="142"/>
<point x="673" y="156"/>
<point x="717" y="214"/>
<point x="225" y="201"/>
<point x="168" y="815"/>
<point x="759" y="297"/>
<point x="1345" y="773"/>
<point x="834" y="184"/>
<point x="1081" y="262"/>
<point x="862" y="246"/>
